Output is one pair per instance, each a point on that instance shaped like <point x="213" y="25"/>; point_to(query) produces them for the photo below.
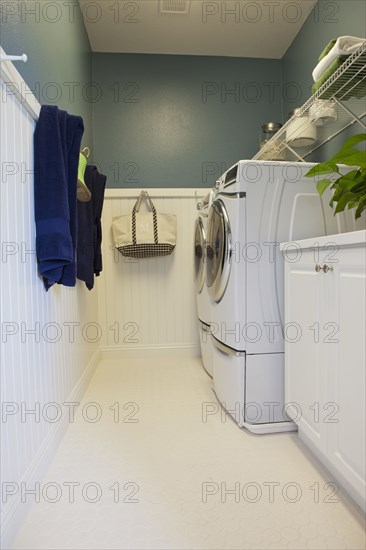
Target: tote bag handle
<point x="136" y="208"/>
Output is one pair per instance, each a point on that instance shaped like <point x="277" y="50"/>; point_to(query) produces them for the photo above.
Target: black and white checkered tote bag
<point x="145" y="234"/>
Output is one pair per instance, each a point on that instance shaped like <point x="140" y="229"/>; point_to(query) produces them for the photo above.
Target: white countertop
<point x="352" y="238"/>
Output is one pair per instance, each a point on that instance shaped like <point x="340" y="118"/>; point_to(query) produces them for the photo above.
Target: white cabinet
<point x="303" y="358"/>
<point x="346" y="378"/>
<point x="325" y="327"/>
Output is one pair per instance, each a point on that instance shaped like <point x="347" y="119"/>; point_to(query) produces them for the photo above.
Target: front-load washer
<point x="258" y="205"/>
<point x="203" y="299"/>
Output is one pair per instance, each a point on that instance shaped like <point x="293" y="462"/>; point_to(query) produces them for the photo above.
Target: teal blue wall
<point x="168" y="121"/>
<point x="155" y="125"/>
<point x="59" y="52"/>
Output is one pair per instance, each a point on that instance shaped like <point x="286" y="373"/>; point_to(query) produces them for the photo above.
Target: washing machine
<point x="258" y="205"/>
<point x="203" y="299"/>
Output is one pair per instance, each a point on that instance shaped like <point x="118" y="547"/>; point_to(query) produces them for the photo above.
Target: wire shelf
<point x="342" y="97"/>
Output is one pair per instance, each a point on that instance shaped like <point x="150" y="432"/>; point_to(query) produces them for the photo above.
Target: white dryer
<point x="259" y="205"/>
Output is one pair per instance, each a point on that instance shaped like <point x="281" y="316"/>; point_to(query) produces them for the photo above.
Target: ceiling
<point x="262" y="29"/>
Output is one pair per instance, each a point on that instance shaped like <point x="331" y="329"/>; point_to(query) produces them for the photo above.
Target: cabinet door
<point x="346" y="368"/>
<point x="304" y="368"/>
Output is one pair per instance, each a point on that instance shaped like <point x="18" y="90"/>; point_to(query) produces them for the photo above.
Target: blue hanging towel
<point x="57" y="141"/>
<point x="89" y="255"/>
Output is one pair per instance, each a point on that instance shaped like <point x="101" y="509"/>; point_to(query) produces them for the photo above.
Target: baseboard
<point x="129" y="352"/>
<point x="15" y="512"/>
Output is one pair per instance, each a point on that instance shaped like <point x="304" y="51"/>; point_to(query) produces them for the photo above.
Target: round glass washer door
<point x="199" y="254"/>
<point x="218" y="263"/>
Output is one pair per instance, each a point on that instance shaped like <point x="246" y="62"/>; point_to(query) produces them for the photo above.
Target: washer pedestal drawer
<point x="251" y="388"/>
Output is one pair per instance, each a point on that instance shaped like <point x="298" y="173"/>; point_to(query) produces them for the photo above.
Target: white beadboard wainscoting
<point x="149" y="305"/>
<point x="42" y="361"/>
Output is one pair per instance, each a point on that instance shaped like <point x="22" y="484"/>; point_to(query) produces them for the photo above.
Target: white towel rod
<point x="16" y="85"/>
<point x="23" y="57"/>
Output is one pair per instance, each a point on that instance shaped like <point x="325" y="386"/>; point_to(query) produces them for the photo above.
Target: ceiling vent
<point x="174" y="6"/>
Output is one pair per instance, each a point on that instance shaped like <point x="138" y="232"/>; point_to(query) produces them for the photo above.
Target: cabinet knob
<point x="327" y="268"/>
<point x="318" y="268"/>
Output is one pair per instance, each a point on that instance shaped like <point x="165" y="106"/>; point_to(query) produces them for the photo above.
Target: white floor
<point x="174" y="458"/>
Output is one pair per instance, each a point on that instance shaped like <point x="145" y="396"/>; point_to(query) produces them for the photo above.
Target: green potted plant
<point x="349" y="189"/>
